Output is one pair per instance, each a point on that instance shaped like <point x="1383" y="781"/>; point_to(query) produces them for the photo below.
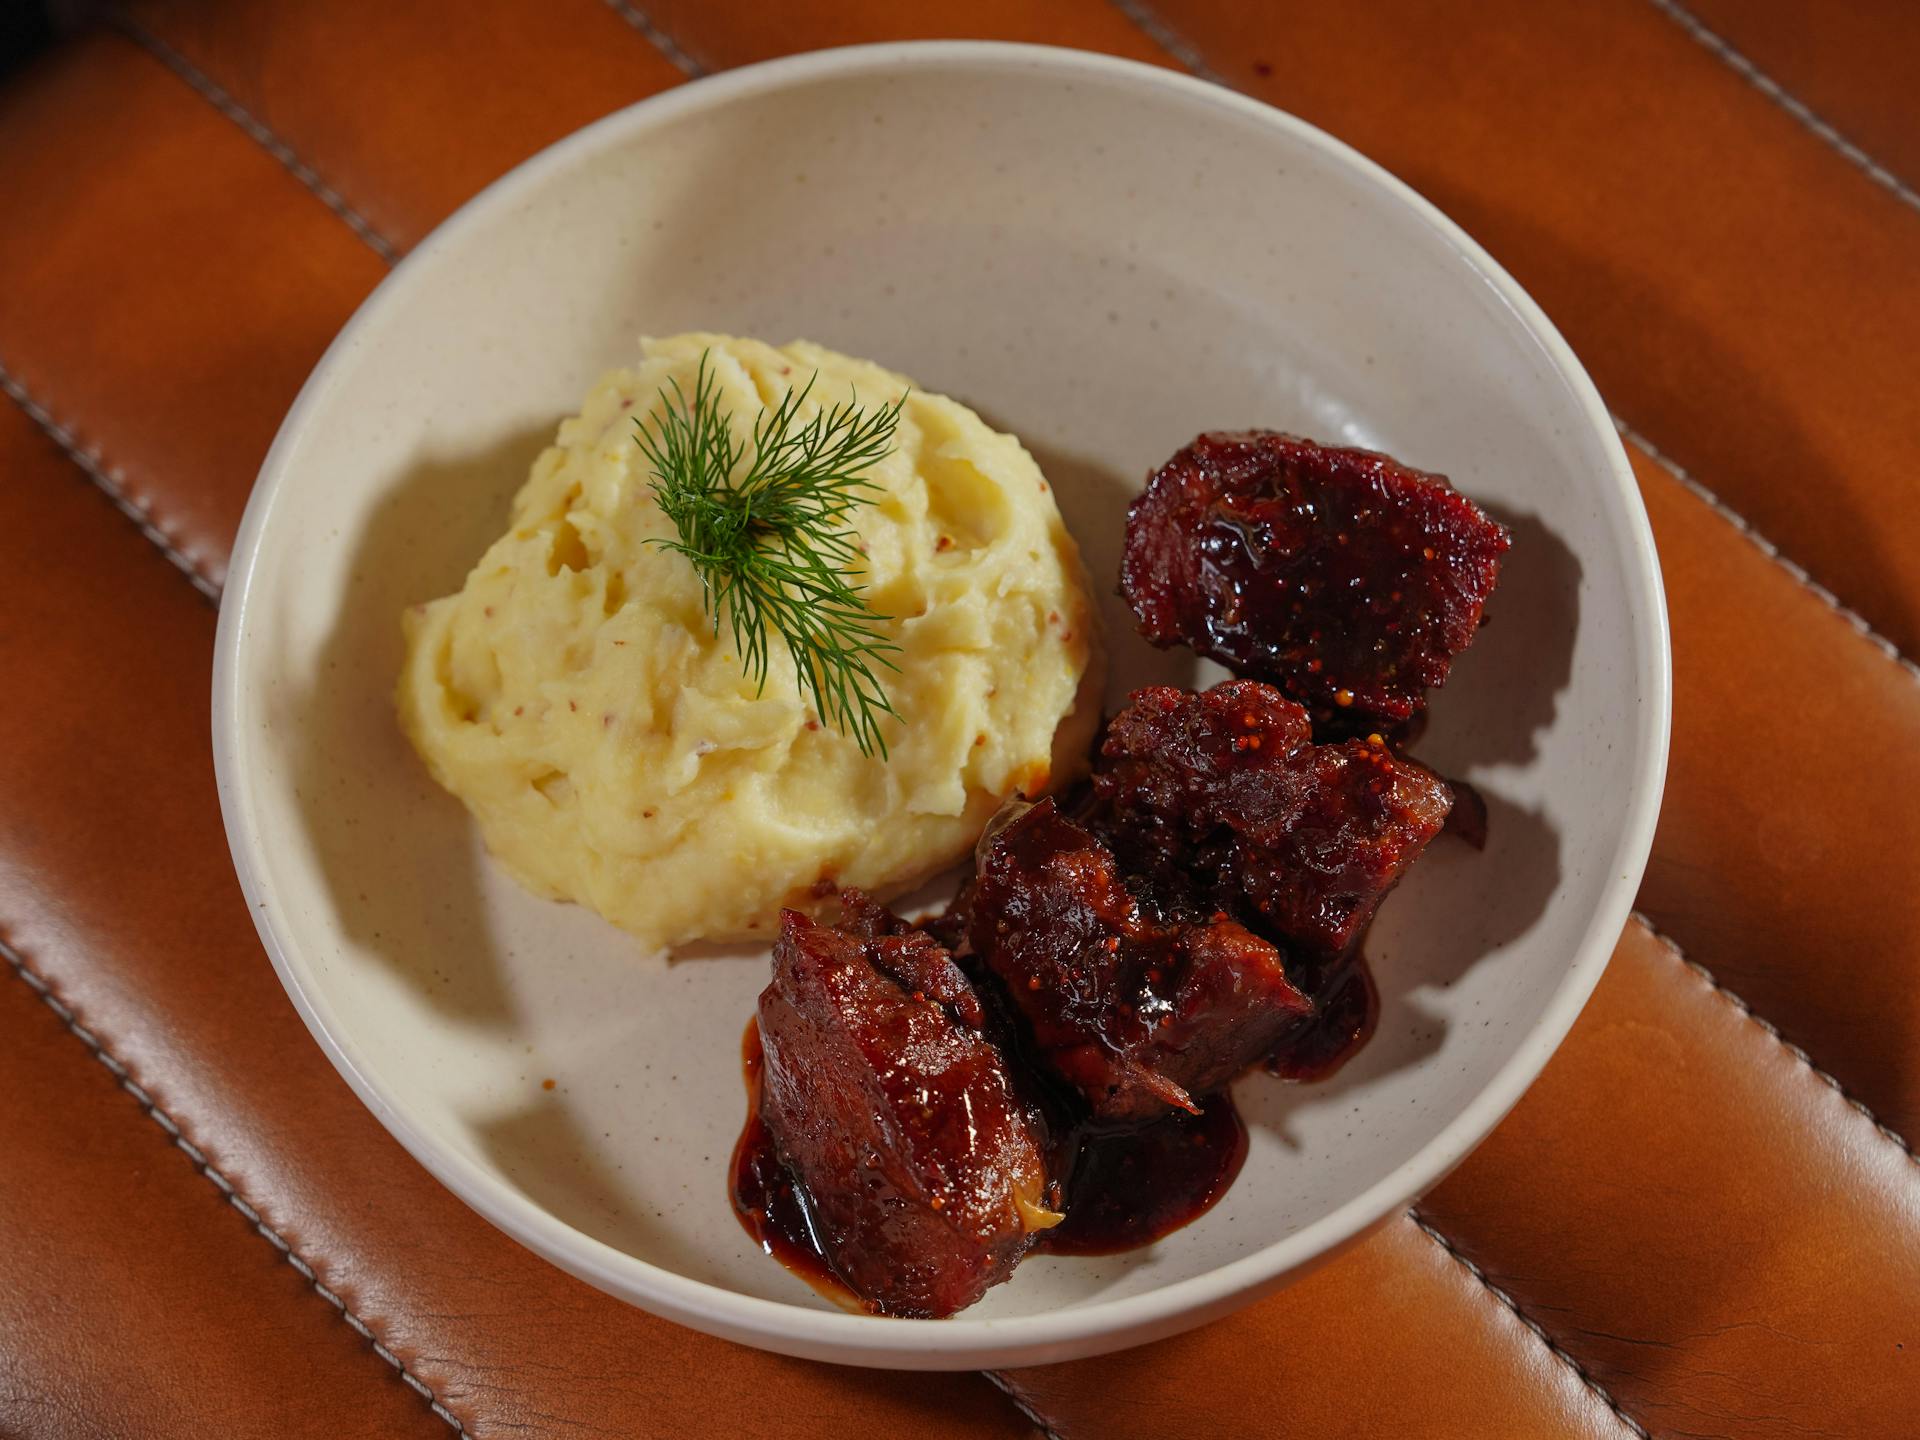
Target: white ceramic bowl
<point x="1105" y="259"/>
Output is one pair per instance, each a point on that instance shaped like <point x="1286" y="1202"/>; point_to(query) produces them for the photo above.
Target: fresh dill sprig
<point x="765" y="529"/>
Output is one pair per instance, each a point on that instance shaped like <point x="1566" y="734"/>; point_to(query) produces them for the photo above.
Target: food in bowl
<point x="616" y="742"/>
<point x="1173" y="933"/>
<point x="754" y="652"/>
<point x="424" y="969"/>
<point x="1046" y="1064"/>
<point x="1344" y="577"/>
<point x="878" y="1065"/>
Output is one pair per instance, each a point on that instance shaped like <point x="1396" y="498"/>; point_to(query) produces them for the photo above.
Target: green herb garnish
<point x="766" y="533"/>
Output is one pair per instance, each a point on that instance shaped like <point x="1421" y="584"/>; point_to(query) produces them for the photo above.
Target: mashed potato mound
<point x="575" y="696"/>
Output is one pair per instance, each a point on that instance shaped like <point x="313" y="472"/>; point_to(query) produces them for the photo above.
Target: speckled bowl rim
<point x="958" y="1343"/>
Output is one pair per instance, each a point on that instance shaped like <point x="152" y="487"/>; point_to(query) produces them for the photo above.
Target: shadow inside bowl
<point x="1430" y="934"/>
<point x="400" y="857"/>
<point x="1093" y="501"/>
<point x="1504" y="692"/>
<point x="1501" y="696"/>
<point x="550" y="1153"/>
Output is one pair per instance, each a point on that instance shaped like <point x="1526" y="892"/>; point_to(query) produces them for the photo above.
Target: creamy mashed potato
<point x="575" y="696"/>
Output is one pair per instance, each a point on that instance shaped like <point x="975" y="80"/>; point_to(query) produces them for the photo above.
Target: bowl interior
<point x="1103" y="261"/>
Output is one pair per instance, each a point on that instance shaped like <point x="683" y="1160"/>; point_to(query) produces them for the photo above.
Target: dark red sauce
<point x="1347" y="1009"/>
<point x="1128" y="1188"/>
<point x="765" y="1199"/>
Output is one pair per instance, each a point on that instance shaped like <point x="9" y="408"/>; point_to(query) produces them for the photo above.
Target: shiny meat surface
<point x="1345" y="578"/>
<point x="1224" y="791"/>
<point x="922" y="1170"/>
<point x="1140" y="1012"/>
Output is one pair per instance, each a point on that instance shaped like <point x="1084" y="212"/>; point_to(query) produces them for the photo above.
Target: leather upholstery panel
<point x="1349" y="1353"/>
<point x="132" y="1298"/>
<point x="1685" y="1228"/>
<point x="1679" y="1200"/>
<point x="1856" y="66"/>
<point x="169" y="308"/>
<point x="727" y="35"/>
<point x="408" y="107"/>
<point x="1784" y="859"/>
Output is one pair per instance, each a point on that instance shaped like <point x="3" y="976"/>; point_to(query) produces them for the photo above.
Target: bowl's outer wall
<point x="1104" y="259"/>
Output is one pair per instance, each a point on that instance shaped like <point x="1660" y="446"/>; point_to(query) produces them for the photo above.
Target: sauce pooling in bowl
<point x="1126" y="1187"/>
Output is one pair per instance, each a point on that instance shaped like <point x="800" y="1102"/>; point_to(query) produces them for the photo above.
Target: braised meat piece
<point x="1345" y="578"/>
<point x="1226" y="790"/>
<point x="922" y="1169"/>
<point x="1138" y="1011"/>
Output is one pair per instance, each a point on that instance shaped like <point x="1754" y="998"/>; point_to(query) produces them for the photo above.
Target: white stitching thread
<point x="108" y="480"/>
<point x="1426" y="1227"/>
<point x="1766" y="547"/>
<point x="220" y="1182"/>
<point x="1673" y="949"/>
<point x="1530" y="1323"/>
<point x="265" y="138"/>
<point x="1168" y="39"/>
<point x="658" y="38"/>
<point x="1022" y="1404"/>
<point x="1794" y="106"/>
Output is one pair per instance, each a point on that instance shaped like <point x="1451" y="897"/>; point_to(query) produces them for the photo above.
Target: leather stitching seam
<point x="658" y="38"/>
<point x="1021" y="1403"/>
<point x="108" y="479"/>
<point x="1792" y="104"/>
<point x="1772" y="551"/>
<point x="1182" y="50"/>
<point x="257" y="131"/>
<point x="1169" y="40"/>
<point x="220" y="1182"/>
<point x="1673" y="949"/>
<point x="1539" y="1333"/>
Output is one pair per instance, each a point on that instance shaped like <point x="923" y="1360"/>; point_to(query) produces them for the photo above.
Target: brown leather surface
<point x="91" y="1309"/>
<point x="1396" y="1338"/>
<point x="171" y="319"/>
<point x="1684" y="1229"/>
<point x="1856" y="66"/>
<point x="406" y="110"/>
<point x="1716" y="1301"/>
<point x="1785" y="858"/>
<point x="724" y="35"/>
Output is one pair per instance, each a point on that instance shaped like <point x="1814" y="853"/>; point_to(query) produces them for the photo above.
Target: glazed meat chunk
<point x="922" y="1169"/>
<point x="1138" y="1011"/>
<point x="1226" y="790"/>
<point x="1345" y="578"/>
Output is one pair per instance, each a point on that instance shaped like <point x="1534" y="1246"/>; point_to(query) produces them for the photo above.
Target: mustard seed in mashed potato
<point x="574" y="693"/>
